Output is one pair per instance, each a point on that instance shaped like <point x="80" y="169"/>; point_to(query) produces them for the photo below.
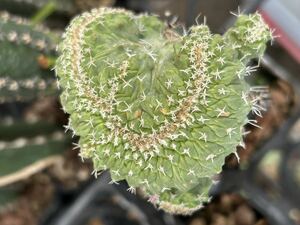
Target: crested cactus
<point x="159" y="109"/>
<point x="26" y="56"/>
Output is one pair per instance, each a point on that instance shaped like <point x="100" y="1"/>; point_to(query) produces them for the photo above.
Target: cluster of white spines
<point x="258" y="32"/>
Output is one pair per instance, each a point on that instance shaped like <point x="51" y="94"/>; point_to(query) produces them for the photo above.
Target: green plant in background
<point x="26" y="56"/>
<point x="62" y="7"/>
<point x="26" y="148"/>
<point x="158" y="109"/>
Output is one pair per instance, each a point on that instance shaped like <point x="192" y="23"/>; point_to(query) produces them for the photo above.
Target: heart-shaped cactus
<point x="158" y="109"/>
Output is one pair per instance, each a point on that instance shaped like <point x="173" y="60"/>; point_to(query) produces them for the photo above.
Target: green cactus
<point x="24" y="145"/>
<point x="25" y="149"/>
<point x="158" y="109"/>
<point x="26" y="7"/>
<point x="62" y="7"/>
<point x="7" y="196"/>
<point x="26" y="56"/>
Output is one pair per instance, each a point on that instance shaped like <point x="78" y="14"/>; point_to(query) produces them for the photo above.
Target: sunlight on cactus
<point x="158" y="109"/>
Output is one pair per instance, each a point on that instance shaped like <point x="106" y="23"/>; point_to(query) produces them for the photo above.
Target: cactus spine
<point x="26" y="54"/>
<point x="158" y="109"/>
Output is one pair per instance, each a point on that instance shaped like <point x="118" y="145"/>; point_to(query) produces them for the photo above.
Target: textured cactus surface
<point x="159" y="109"/>
<point x="25" y="55"/>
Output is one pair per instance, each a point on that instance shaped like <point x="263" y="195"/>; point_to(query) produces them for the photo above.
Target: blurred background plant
<point x="66" y="8"/>
<point x="28" y="143"/>
<point x="32" y="136"/>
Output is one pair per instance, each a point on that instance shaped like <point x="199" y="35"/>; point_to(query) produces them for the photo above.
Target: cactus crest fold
<point x="158" y="109"/>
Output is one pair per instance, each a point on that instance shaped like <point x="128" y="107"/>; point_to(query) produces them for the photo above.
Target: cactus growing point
<point x="158" y="109"/>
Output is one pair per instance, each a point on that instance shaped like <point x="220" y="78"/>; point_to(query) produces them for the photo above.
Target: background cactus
<point x="31" y="140"/>
<point x="158" y="109"/>
<point x="26" y="56"/>
<point x="65" y="7"/>
<point x="26" y="144"/>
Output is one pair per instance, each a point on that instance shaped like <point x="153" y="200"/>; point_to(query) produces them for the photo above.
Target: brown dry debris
<point x="37" y="194"/>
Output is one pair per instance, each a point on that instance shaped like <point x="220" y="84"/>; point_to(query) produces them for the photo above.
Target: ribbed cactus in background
<point x="65" y="7"/>
<point x="26" y="53"/>
<point x="26" y="148"/>
<point x="158" y="109"/>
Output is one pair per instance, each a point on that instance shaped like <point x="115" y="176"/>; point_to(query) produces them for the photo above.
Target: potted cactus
<point x="158" y="108"/>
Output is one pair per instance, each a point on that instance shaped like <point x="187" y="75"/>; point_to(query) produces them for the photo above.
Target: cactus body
<point x="158" y="109"/>
<point x="25" y="50"/>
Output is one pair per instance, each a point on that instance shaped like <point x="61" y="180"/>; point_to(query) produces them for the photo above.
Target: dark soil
<point x="39" y="190"/>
